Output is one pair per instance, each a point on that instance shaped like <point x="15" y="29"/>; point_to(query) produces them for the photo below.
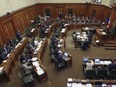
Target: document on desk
<point x="69" y="84"/>
<point x="107" y="62"/>
<point x="113" y="85"/>
<point x="36" y="64"/>
<point x="32" y="30"/>
<point x="74" y="85"/>
<point x="34" y="59"/>
<point x="104" y="85"/>
<point x="63" y="30"/>
<point x="70" y="79"/>
<point x="8" y="55"/>
<point x="86" y="28"/>
<point x="103" y="33"/>
<point x="88" y="85"/>
<point x="39" y="71"/>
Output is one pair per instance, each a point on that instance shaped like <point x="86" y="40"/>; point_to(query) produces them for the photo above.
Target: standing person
<point x="18" y="35"/>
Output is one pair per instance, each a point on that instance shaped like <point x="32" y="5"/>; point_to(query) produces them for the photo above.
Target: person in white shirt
<point x="27" y="66"/>
<point x="89" y="65"/>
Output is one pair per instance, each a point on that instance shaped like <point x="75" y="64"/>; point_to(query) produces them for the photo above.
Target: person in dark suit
<point x="112" y="66"/>
<point x="18" y="35"/>
<point x="60" y="59"/>
<point x="60" y="15"/>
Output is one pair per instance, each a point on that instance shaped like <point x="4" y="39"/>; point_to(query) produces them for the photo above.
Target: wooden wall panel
<point x="2" y="36"/>
<point x="115" y="14"/>
<point x="8" y="26"/>
<point x="20" y="19"/>
<point x="18" y="24"/>
<point x="73" y="7"/>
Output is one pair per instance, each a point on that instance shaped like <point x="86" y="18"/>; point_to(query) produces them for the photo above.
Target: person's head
<point x="24" y="61"/>
<point x="89" y="61"/>
<point x="113" y="61"/>
<point x="74" y="32"/>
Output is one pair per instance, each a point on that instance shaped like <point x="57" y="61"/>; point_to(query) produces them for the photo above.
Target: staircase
<point x="110" y="45"/>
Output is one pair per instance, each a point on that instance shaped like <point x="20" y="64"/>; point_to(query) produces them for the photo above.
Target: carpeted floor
<point x="59" y="78"/>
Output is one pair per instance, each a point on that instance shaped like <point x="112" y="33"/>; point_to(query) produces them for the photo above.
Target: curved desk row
<point x="39" y="68"/>
<point x="12" y="58"/>
<point x="90" y="83"/>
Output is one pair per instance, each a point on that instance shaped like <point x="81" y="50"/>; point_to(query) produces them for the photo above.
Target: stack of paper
<point x="86" y="28"/>
<point x="104" y="33"/>
<point x="88" y="85"/>
<point x="69" y="84"/>
<point x="36" y="63"/>
<point x="107" y="62"/>
<point x="34" y="59"/>
<point x="63" y="30"/>
<point x="39" y="71"/>
<point x="70" y="79"/>
<point x="32" y="30"/>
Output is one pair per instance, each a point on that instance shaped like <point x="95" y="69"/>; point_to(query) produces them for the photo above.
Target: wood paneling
<point x="8" y="28"/>
<point x="1" y="36"/>
<point x="20" y="19"/>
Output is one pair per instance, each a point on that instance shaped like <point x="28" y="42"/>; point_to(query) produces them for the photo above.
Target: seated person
<point x="27" y="66"/>
<point x="22" y="58"/>
<point x="2" y="57"/>
<point x="89" y="65"/>
<point x="112" y="65"/>
<point x="59" y="58"/>
<point x="74" y="35"/>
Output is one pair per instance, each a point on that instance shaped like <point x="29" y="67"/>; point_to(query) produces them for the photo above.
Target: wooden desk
<point x="12" y="59"/>
<point x="40" y="53"/>
<point x="91" y="82"/>
<point x="63" y="32"/>
<point x="102" y="36"/>
<point x="34" y="32"/>
<point x="48" y="31"/>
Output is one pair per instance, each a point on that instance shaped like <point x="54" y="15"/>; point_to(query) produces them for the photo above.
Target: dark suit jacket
<point x="111" y="66"/>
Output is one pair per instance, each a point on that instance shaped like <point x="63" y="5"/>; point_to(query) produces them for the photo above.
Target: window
<point x="70" y="12"/>
<point x="96" y="1"/>
<point x="47" y="12"/>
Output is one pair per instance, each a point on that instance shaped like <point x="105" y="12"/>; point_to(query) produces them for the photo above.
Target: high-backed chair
<point x="112" y="74"/>
<point x="101" y="73"/>
<point x="112" y="32"/>
<point x="90" y="74"/>
<point x="27" y="78"/>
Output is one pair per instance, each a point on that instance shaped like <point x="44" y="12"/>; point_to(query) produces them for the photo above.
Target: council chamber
<point x="58" y="43"/>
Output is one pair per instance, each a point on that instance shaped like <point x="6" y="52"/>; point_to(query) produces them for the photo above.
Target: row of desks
<point x="12" y="59"/>
<point x="72" y="82"/>
<point x="39" y="53"/>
